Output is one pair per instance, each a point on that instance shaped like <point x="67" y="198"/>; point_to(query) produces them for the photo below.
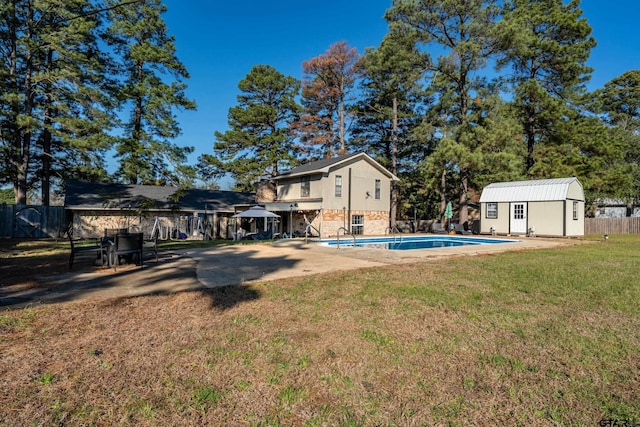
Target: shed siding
<point x="500" y="224"/>
<point x="575" y="227"/>
<point x="546" y="217"/>
<point x="575" y="191"/>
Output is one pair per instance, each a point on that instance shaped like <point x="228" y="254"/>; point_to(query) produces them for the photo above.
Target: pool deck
<point x="195" y="269"/>
<point x="225" y="265"/>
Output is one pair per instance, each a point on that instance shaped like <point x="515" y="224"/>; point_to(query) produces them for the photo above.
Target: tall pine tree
<point x="327" y="85"/>
<point x="546" y="43"/>
<point x="259" y="141"/>
<point x="463" y="31"/>
<point x="388" y="112"/>
<point x="51" y="103"/>
<point x="150" y="88"/>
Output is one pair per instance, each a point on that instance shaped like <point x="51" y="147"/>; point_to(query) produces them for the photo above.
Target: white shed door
<point x="518" y="218"/>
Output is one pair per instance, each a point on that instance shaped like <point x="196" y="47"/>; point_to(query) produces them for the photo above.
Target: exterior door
<point x="518" y="218"/>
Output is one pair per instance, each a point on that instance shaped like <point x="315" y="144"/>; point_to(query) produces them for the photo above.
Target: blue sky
<point x="220" y="41"/>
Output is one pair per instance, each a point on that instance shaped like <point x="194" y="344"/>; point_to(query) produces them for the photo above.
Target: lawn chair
<point x="436" y="227"/>
<point x="459" y="228"/>
<point x="263" y="235"/>
<point x="151" y="245"/>
<point x="84" y="246"/>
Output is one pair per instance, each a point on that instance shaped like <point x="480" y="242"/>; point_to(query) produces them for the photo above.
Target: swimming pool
<point x="405" y="243"/>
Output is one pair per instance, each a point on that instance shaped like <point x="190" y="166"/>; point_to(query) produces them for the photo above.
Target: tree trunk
<point x="343" y="147"/>
<point x="24" y="134"/>
<point x="45" y="179"/>
<point x="530" y="134"/>
<point x="443" y="191"/>
<point x="134" y="173"/>
<point x="463" y="208"/>
<point x="19" y="190"/>
<point x="393" y="212"/>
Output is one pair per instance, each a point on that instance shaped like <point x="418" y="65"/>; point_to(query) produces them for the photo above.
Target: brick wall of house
<point x="93" y="224"/>
<point x="375" y="222"/>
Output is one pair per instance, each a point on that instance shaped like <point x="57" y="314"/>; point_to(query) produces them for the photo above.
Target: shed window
<point x="575" y="210"/>
<point x="518" y="211"/>
<point x="492" y="211"/>
<point x="338" y="185"/>
<point x="377" y="189"/>
<point x="357" y="224"/>
<point x="305" y="186"/>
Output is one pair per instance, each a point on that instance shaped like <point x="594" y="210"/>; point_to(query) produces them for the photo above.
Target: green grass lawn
<point x="540" y="337"/>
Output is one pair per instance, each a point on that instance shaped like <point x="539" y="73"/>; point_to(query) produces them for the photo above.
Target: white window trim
<point x="493" y="215"/>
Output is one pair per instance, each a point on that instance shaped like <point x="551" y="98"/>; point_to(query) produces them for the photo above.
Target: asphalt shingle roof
<point x="317" y="165"/>
<point x="323" y="165"/>
<point x="98" y="196"/>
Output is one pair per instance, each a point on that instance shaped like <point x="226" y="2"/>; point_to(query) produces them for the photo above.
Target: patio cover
<point x="256" y="212"/>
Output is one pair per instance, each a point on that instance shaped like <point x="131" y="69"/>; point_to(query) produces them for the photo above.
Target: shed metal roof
<point x="529" y="191"/>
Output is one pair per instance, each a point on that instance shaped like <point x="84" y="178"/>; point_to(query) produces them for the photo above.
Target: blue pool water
<point x="405" y="243"/>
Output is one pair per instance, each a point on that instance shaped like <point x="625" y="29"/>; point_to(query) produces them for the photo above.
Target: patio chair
<point x="111" y="232"/>
<point x="459" y="228"/>
<point x="125" y="244"/>
<point x="83" y="246"/>
<point x="151" y="245"/>
<point x="262" y="235"/>
<point x="436" y="227"/>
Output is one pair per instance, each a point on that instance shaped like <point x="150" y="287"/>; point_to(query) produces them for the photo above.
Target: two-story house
<point x="351" y="191"/>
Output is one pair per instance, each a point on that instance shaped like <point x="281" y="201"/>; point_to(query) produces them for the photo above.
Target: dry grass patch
<point x="533" y="338"/>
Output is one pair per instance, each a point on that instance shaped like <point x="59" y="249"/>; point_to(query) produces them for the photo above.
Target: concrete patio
<point x="195" y="269"/>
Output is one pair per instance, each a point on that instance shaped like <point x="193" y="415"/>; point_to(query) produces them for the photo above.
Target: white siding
<point x="533" y="191"/>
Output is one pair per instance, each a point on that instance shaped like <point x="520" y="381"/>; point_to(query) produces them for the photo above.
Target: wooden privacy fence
<point x="628" y="225"/>
<point x="26" y="221"/>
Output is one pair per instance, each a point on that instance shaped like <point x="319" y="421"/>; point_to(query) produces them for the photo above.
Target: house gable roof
<point x="98" y="196"/>
<point x="325" y="165"/>
<point x="531" y="191"/>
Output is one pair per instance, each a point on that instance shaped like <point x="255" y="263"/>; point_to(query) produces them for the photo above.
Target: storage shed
<point x="546" y="207"/>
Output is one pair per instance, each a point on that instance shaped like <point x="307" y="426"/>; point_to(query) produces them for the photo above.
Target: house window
<point x="575" y="210"/>
<point x="338" y="185"/>
<point x="492" y="211"/>
<point x="305" y="186"/>
<point x="357" y="224"/>
<point x="377" y="189"/>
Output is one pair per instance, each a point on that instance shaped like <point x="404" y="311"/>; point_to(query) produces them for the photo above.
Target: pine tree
<point x="619" y="103"/>
<point x="75" y="107"/>
<point x="51" y="99"/>
<point x="546" y="43"/>
<point x="259" y="141"/>
<point x="388" y="112"/>
<point x="462" y="29"/>
<point x="328" y="82"/>
<point x="151" y="86"/>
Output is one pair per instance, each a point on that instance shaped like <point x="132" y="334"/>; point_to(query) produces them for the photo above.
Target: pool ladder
<point x="345" y="233"/>
<point x="393" y="230"/>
